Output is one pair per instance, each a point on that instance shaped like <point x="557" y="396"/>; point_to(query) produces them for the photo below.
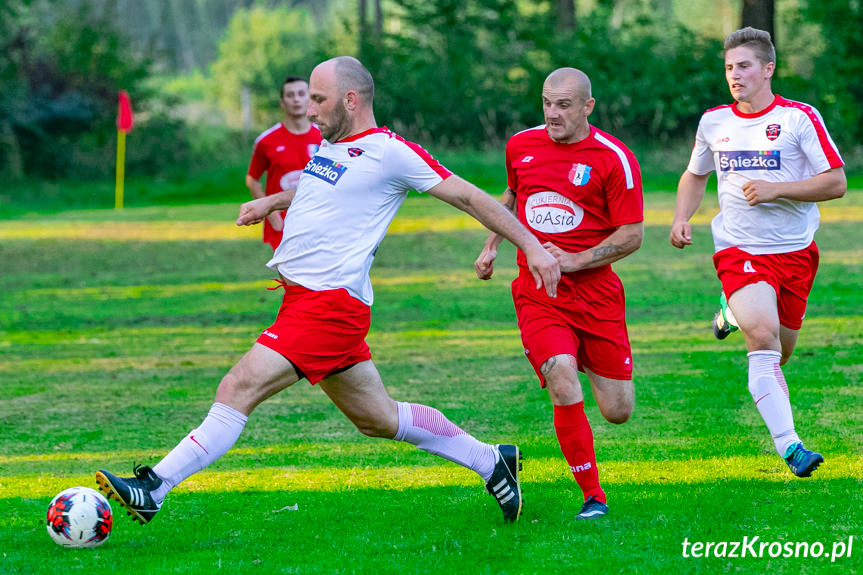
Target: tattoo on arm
<point x="606" y="251"/>
<point x="509" y="200"/>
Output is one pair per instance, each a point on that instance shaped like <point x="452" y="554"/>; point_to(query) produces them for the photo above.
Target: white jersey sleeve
<point x="410" y="167"/>
<point x="815" y="142"/>
<point x="701" y="159"/>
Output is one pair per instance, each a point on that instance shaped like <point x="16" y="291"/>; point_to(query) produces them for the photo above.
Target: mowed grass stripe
<point x="225" y="229"/>
<point x="398" y="478"/>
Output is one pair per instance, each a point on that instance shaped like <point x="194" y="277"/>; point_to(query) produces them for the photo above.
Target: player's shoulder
<point x="801" y="110"/>
<point x="531" y="138"/>
<point x="717" y="113"/>
<point x="606" y="140"/>
<point x="268" y="134"/>
<point x="612" y="148"/>
<point x="530" y="134"/>
<point x="394" y="141"/>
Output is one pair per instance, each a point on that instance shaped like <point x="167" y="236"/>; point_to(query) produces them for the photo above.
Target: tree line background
<point x="453" y="73"/>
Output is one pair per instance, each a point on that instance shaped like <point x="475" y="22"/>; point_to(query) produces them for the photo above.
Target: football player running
<point x="774" y="160"/>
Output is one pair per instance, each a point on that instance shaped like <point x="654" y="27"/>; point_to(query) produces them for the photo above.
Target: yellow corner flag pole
<point x="121" y="164"/>
<point x="125" y="121"/>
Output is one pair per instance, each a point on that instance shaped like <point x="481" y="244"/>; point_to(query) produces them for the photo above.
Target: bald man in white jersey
<point x="774" y="160"/>
<point x="344" y="202"/>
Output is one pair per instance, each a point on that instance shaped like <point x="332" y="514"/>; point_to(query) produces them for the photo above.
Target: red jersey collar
<point x="740" y="114"/>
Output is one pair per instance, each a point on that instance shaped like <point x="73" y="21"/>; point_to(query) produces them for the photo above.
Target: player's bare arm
<point x="622" y="242"/>
<point x="494" y="216"/>
<point x="484" y="264"/>
<point x="690" y="192"/>
<point x="255" y="211"/>
<point x="828" y="185"/>
<point x="257" y="191"/>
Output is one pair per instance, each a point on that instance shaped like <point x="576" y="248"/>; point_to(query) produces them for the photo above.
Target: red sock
<point x="576" y="443"/>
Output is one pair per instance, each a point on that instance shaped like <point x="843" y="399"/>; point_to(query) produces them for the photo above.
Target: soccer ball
<point x="79" y="517"/>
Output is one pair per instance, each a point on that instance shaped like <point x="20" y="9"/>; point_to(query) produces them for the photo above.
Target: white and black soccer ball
<point x="79" y="517"/>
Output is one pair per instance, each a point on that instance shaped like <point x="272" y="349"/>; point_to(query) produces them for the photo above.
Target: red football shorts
<point x="587" y="320"/>
<point x="791" y="276"/>
<point x="271" y="236"/>
<point x="320" y="332"/>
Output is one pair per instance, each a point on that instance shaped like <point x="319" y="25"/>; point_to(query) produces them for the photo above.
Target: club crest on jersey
<point x="325" y="169"/>
<point x="313" y="149"/>
<point x="749" y="160"/>
<point x="579" y="174"/>
<point x="552" y="213"/>
<point x="773" y="131"/>
<point x="354" y="152"/>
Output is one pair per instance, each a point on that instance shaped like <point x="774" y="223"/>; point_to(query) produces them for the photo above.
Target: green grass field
<point x="115" y="328"/>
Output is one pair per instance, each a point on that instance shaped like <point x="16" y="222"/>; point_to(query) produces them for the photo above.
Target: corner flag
<point x="125" y="121"/>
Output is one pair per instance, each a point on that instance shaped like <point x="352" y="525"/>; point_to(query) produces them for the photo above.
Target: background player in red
<point x="578" y="190"/>
<point x="282" y="152"/>
<point x="773" y="159"/>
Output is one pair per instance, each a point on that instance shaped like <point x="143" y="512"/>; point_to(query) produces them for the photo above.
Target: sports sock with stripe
<point x="576" y="442"/>
<point x="204" y="445"/>
<point x="431" y="431"/>
<point x="770" y="394"/>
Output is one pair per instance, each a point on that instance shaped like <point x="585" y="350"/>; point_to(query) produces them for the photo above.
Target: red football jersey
<point x="282" y="155"/>
<point x="573" y="195"/>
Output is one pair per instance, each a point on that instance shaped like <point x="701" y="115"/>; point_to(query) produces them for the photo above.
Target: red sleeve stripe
<point x="426" y="157"/>
<point x="827" y="146"/>
<point x="723" y="106"/>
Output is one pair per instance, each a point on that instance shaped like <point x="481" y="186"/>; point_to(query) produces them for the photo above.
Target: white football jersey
<point x="785" y="142"/>
<point x="347" y="195"/>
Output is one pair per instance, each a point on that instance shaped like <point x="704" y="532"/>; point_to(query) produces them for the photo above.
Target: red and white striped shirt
<point x="785" y="142"/>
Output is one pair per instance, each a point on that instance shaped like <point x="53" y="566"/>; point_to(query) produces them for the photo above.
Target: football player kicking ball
<point x="773" y="159"/>
<point x="344" y="202"/>
<point x="578" y="190"/>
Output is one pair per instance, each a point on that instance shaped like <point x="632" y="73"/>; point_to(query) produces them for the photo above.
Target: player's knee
<point x="618" y="413"/>
<point x="373" y="427"/>
<point x="231" y="385"/>
<point x="239" y="391"/>
<point x="762" y="337"/>
<point x="564" y="392"/>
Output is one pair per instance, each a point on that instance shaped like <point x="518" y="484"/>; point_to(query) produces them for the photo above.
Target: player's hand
<point x="276" y="221"/>
<point x="253" y="212"/>
<point x="563" y="258"/>
<point x="681" y="234"/>
<point x="759" y="192"/>
<point x="545" y="269"/>
<point x="484" y="264"/>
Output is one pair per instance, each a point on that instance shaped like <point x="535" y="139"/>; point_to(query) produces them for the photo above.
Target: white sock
<point x="770" y="393"/>
<point x="204" y="445"/>
<point x="431" y="431"/>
